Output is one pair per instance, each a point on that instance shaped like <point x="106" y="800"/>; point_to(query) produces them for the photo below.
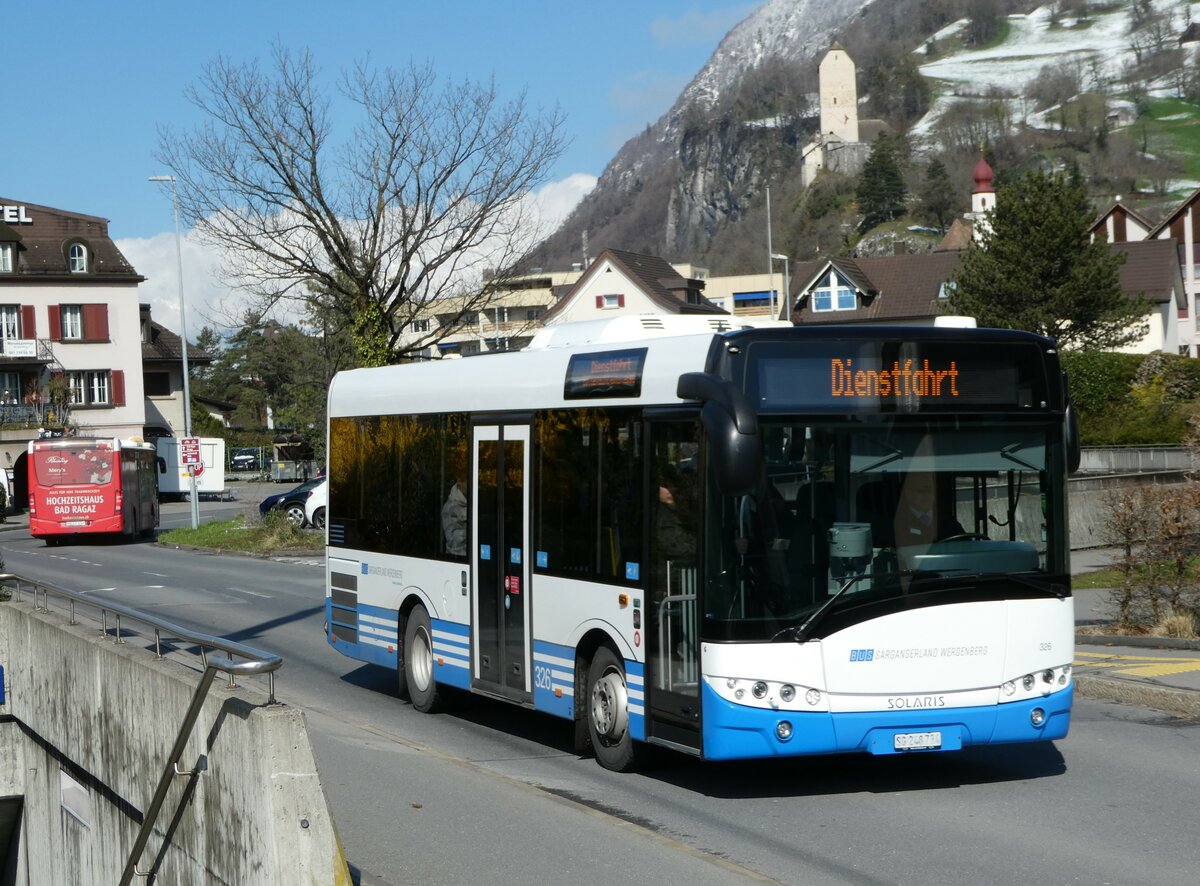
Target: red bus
<point x="91" y="485"/>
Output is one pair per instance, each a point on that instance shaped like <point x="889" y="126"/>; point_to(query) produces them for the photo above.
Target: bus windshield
<point x="852" y="513"/>
<point x="87" y="463"/>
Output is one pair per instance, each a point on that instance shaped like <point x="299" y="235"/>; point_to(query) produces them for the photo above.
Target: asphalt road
<point x="489" y="794"/>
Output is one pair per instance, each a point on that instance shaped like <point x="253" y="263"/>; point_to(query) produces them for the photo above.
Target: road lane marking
<point x="251" y="593"/>
<point x="156" y="574"/>
<point x="1137" y="665"/>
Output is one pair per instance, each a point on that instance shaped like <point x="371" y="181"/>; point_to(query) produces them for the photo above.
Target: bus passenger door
<point x="500" y="524"/>
<point x="673" y="662"/>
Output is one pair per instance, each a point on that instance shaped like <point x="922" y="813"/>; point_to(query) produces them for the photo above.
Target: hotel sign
<point x="15" y="215"/>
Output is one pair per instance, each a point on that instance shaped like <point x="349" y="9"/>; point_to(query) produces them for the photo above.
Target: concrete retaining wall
<point x="107" y="715"/>
<point x="1086" y="503"/>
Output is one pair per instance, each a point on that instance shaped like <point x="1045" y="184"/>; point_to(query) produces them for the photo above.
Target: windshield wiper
<point x="801" y="632"/>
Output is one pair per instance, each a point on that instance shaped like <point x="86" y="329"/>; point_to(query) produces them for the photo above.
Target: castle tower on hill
<point x="839" y="96"/>
<point x="838" y="144"/>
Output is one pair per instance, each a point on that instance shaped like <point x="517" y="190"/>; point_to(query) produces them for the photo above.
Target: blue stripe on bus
<point x="635" y="683"/>
<point x="554" y="679"/>
<point x="733" y="731"/>
<point x="373" y="640"/>
<point x="451" y="653"/>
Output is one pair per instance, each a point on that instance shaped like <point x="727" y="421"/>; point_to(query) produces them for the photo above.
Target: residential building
<point x="628" y="282"/>
<point x="1181" y="227"/>
<point x="910" y="290"/>
<point x="69" y="326"/>
<point x="162" y="377"/>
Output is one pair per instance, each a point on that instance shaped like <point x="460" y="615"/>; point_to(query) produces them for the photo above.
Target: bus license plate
<point x="917" y="741"/>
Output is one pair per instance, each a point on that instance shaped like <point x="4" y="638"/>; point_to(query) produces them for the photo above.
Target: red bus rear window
<point x="74" y="466"/>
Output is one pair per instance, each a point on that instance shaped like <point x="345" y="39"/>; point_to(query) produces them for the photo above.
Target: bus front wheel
<point x="418" y="661"/>
<point x="608" y="713"/>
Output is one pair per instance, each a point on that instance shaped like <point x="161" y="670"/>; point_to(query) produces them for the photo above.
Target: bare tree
<point x="426" y="201"/>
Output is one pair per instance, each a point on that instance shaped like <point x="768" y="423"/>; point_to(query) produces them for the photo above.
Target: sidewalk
<point x="1158" y="673"/>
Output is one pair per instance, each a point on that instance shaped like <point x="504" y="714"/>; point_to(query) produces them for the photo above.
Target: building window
<point x="78" y="258"/>
<point x="8" y="261"/>
<point x="833" y="295"/>
<point x="609" y="302"/>
<point x="420" y="325"/>
<point x="759" y="299"/>
<point x="532" y="314"/>
<point x="158" y="384"/>
<point x="72" y="322"/>
<point x="91" y="387"/>
<point x="947" y="289"/>
<point x="10" y="322"/>
<point x="10" y="387"/>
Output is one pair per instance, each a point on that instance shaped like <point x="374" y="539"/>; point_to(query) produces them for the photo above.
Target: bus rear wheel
<point x="608" y="714"/>
<point x="418" y="662"/>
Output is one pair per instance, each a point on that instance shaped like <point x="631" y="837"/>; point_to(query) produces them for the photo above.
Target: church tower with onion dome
<point x="983" y="198"/>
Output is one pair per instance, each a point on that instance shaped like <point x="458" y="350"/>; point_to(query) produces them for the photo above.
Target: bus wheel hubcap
<point x="610" y="706"/>
<point x="422" y="660"/>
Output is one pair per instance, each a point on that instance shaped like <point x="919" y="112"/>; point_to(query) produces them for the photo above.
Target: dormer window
<point x="8" y="257"/>
<point x="77" y="258"/>
<point x="833" y="295"/>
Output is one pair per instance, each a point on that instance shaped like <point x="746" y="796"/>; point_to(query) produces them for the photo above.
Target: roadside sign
<point x="189" y="451"/>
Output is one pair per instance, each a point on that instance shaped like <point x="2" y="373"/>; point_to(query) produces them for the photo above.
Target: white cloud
<point x="556" y="200"/>
<point x="207" y="299"/>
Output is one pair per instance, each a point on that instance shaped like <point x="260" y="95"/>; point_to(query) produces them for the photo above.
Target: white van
<point x="173" y="476"/>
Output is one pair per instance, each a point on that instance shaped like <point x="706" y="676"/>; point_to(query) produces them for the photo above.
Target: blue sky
<point x="93" y="82"/>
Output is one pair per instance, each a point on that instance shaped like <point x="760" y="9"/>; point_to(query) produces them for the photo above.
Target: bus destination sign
<point x="896" y="376"/>
<point x="605" y="374"/>
<point x="902" y="379"/>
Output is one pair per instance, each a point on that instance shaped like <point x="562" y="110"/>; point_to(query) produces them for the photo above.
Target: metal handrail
<point x="257" y="662"/>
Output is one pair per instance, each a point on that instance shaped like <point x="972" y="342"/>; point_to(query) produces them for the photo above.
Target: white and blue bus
<point x="732" y="543"/>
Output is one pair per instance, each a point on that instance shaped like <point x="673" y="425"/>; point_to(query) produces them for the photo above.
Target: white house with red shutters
<point x="70" y="331"/>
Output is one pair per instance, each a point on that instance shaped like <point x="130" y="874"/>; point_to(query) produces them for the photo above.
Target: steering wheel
<point x="965" y="536"/>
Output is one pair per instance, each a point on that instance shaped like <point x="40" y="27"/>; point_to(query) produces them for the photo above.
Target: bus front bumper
<point x="733" y="731"/>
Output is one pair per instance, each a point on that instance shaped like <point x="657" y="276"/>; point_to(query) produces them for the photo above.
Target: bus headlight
<point x="1047" y="676"/>
<point x="1037" y="716"/>
<point x="1027" y="682"/>
<point x="787" y="692"/>
<point x="759" y="689"/>
<point x="813" y="697"/>
<point x="1009" y="687"/>
<point x="783" y="730"/>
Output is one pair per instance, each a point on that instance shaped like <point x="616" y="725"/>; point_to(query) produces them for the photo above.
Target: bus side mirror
<point x="1074" y="449"/>
<point x="162" y="464"/>
<point x="732" y="429"/>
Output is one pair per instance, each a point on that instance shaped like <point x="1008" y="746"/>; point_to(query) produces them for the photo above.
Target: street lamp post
<point x="187" y="393"/>
<point x="787" y="296"/>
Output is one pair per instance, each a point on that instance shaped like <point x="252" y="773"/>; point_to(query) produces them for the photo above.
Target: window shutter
<point x="55" y="312"/>
<point x="95" y="322"/>
<point x="600" y="303"/>
<point x="118" y="387"/>
<point x="28" y="322"/>
<point x="620" y="301"/>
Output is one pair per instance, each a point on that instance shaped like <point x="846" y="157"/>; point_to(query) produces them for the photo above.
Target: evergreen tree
<point x="1037" y="269"/>
<point x="881" y="189"/>
<point x="937" y="197"/>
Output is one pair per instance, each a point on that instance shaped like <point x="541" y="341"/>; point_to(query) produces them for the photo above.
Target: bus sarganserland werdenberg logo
<point x="903" y="379"/>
